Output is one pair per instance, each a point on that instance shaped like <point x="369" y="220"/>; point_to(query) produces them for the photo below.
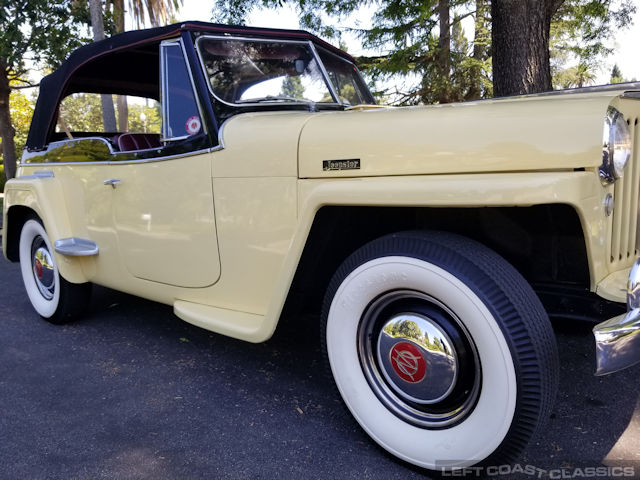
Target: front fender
<point x="580" y="190"/>
<point x="44" y="196"/>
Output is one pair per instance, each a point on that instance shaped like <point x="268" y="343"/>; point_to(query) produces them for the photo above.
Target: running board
<point x="240" y="325"/>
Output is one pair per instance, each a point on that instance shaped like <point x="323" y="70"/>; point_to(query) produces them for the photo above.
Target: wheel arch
<point x="545" y="243"/>
<point x="17" y="215"/>
<point x="24" y="202"/>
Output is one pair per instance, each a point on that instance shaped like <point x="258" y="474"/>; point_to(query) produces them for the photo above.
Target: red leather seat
<point x="128" y="142"/>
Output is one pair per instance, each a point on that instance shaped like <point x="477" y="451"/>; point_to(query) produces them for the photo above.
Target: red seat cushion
<point x="128" y="142"/>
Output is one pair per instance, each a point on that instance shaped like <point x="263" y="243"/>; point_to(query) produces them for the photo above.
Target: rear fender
<point x="42" y="196"/>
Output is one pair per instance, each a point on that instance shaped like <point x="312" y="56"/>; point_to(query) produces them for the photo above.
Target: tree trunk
<point x="7" y="132"/>
<point x="480" y="48"/>
<point x="520" y="43"/>
<point x="123" y="113"/>
<point x="64" y="127"/>
<point x="97" y="25"/>
<point x="118" y="15"/>
<point x="444" y="52"/>
<point x="121" y="101"/>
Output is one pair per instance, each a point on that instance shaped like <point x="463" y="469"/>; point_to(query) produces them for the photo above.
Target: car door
<point x="163" y="210"/>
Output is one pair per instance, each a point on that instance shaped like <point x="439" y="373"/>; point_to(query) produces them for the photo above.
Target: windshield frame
<point x="312" y="48"/>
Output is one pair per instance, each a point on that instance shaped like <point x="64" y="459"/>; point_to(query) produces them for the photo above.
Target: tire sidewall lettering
<point x="464" y="444"/>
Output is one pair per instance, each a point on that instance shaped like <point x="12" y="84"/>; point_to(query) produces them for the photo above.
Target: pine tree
<point x="616" y="75"/>
<point x="517" y="44"/>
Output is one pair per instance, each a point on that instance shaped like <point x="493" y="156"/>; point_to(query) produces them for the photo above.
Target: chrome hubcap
<point x="42" y="266"/>
<point x="419" y="359"/>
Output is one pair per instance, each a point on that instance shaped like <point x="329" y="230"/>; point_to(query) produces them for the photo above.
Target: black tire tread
<point x="74" y="300"/>
<point x="510" y="299"/>
<point x="74" y="297"/>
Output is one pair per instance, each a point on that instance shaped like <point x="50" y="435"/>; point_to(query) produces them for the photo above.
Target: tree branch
<point x="27" y="85"/>
<point x="462" y="17"/>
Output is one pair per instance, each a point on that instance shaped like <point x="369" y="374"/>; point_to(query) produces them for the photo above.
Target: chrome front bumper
<point x="618" y="339"/>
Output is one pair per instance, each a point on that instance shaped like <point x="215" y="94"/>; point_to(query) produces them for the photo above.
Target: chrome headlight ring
<point x="616" y="146"/>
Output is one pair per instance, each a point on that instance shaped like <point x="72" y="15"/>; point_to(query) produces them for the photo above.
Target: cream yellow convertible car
<point x="251" y="175"/>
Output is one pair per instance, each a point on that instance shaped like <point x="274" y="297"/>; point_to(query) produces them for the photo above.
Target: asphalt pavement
<point x="132" y="392"/>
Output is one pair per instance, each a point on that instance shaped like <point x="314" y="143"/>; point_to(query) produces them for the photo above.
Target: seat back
<point x="128" y="142"/>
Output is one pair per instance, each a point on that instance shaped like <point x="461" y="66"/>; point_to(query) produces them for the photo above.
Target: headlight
<point x="616" y="146"/>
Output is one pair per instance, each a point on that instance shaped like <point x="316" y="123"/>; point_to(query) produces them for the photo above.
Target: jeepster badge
<point x="349" y="164"/>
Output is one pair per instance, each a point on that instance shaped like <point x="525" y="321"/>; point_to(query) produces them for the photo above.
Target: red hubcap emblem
<point x="408" y="362"/>
<point x="38" y="266"/>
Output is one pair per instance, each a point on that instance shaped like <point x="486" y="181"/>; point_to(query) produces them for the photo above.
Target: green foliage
<point x="407" y="34"/>
<point x="144" y="119"/>
<point x="415" y="50"/>
<point x="470" y="74"/>
<point x="616" y="75"/>
<point x="32" y="32"/>
<point x="581" y="75"/>
<point x="580" y="27"/>
<point x="579" y="30"/>
<point x="158" y="12"/>
<point x="404" y="328"/>
<point x="21" y="109"/>
<point x="82" y="112"/>
<point x="292" y="87"/>
<point x="3" y="179"/>
<point x="38" y="30"/>
<point x="408" y="329"/>
<point x="88" y="150"/>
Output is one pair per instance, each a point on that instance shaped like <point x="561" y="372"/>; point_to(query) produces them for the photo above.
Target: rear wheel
<point x="440" y="350"/>
<point x="55" y="299"/>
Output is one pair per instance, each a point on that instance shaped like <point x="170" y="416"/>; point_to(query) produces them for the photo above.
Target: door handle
<point x="112" y="181"/>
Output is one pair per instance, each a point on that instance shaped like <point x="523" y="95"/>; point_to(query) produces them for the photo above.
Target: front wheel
<point x="53" y="298"/>
<point x="440" y="349"/>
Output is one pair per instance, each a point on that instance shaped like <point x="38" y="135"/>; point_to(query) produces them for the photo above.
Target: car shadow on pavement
<point x="269" y="396"/>
<point x="287" y="373"/>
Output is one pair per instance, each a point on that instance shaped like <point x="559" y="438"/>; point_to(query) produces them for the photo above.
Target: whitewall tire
<point x="52" y="297"/>
<point x="440" y="350"/>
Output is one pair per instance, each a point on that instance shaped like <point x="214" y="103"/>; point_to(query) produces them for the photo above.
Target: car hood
<point x="555" y="132"/>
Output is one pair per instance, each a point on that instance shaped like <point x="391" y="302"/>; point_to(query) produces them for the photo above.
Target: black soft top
<point x="128" y="65"/>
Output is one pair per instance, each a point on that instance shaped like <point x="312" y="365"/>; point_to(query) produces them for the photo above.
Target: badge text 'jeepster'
<point x="351" y="164"/>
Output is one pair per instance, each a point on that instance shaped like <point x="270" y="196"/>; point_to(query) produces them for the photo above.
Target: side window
<point x="179" y="106"/>
<point x="80" y="115"/>
<point x="138" y="121"/>
<point x="161" y="109"/>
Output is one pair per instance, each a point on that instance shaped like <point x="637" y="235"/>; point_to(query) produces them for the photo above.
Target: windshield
<point x="252" y="71"/>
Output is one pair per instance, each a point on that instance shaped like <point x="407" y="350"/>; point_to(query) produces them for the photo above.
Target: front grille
<point x="625" y="235"/>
